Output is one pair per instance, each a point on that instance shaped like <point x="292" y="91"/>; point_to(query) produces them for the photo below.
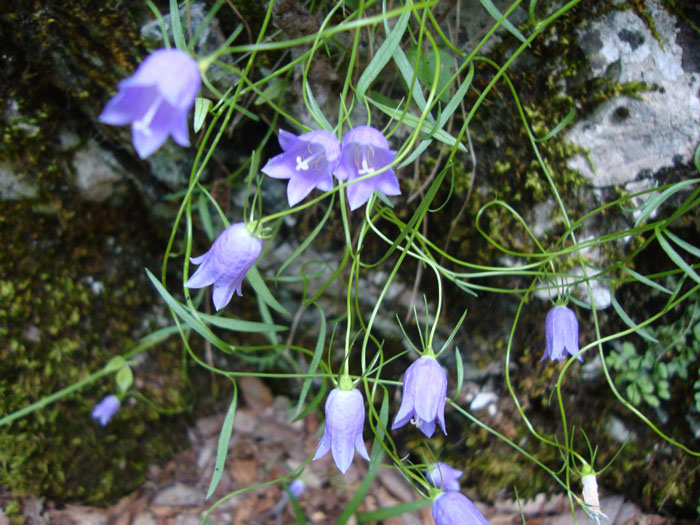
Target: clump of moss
<point x="71" y="299"/>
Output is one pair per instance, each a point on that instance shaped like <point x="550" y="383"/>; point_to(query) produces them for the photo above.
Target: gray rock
<point x="628" y="136"/>
<point x="12" y="187"/>
<point x="97" y="173"/>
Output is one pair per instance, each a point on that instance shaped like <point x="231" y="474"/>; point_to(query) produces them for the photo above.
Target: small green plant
<point x="646" y="376"/>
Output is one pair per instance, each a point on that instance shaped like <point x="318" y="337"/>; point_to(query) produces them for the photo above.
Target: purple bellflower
<point x="104" y="411"/>
<point x="365" y="150"/>
<point x="308" y="162"/>
<point x="442" y="476"/>
<point x="345" y="416"/>
<point x="561" y="333"/>
<point x="424" y="391"/>
<point x="233" y="253"/>
<point x="454" y="508"/>
<point x="156" y="100"/>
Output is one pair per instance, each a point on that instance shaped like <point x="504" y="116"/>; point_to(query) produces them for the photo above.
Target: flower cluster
<point x="312" y="159"/>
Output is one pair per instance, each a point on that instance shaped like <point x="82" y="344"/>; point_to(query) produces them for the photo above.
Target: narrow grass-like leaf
<point x="161" y="23"/>
<point x="224" y="439"/>
<point x="628" y="320"/>
<point x="315" y="110"/>
<point x="564" y="122"/>
<point x="412" y="120"/>
<point x="194" y="323"/>
<point x="676" y="258"/>
<point x="316" y="401"/>
<point x="176" y="24"/>
<point x="395" y="510"/>
<point x="693" y="250"/>
<point x="201" y="108"/>
<point x="460" y="372"/>
<point x="298" y="511"/>
<point x="205" y="216"/>
<point x="267" y="317"/>
<point x="383" y="55"/>
<point x="315" y="360"/>
<point x="645" y="280"/>
<point x="656" y="200"/>
<point x="496" y="14"/>
<point x="261" y="289"/>
<point x="696" y="158"/>
<point x="239" y="325"/>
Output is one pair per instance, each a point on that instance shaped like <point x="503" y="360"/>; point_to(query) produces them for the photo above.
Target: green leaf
<point x="460" y="372"/>
<point x="176" y="23"/>
<point x="258" y="284"/>
<point x="239" y="325"/>
<point x="396" y="510"/>
<point x="696" y="158"/>
<point x="677" y="259"/>
<point x="315" y="360"/>
<point x="628" y="320"/>
<point x="564" y="122"/>
<point x="194" y="323"/>
<point x="496" y="14"/>
<point x="656" y="200"/>
<point x="426" y="69"/>
<point x="116" y="363"/>
<point x="201" y="108"/>
<point x="224" y="439"/>
<point x="274" y="90"/>
<point x="644" y="280"/>
<point x="124" y="378"/>
<point x="383" y="55"/>
<point x="315" y="110"/>
<point x="633" y="394"/>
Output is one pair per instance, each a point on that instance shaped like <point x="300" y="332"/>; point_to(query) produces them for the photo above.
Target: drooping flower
<point x="104" y="411"/>
<point x="233" y="253"/>
<point x="442" y="476"/>
<point x="345" y="417"/>
<point x="590" y="497"/>
<point x="365" y="150"/>
<point x="297" y="488"/>
<point x="156" y="100"/>
<point x="424" y="391"/>
<point x="454" y="508"/>
<point x="561" y="333"/>
<point x="308" y="162"/>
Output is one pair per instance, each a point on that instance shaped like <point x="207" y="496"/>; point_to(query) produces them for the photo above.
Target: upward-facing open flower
<point x="345" y="416"/>
<point x="454" y="508"/>
<point x="156" y="100"/>
<point x="234" y="251"/>
<point x="308" y="162"/>
<point x="561" y="333"/>
<point x="365" y="150"/>
<point x="442" y="476"/>
<point x="424" y="391"/>
<point x="104" y="411"/>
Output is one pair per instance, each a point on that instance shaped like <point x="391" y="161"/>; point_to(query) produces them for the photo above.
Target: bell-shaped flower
<point x="156" y="100"/>
<point x="297" y="488"/>
<point x="104" y="411"/>
<point x="454" y="508"/>
<point x="590" y="497"/>
<point x="365" y="150"/>
<point x="561" y="334"/>
<point x="233" y="253"/>
<point x="345" y="417"/>
<point x="442" y="476"/>
<point x="308" y="162"/>
<point x="424" y="391"/>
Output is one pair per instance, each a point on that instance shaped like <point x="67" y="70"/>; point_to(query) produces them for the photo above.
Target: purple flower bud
<point x="454" y="508"/>
<point x="442" y="476"/>
<point x="364" y="150"/>
<point x="156" y="100"/>
<point x="345" y="416"/>
<point x="308" y="162"/>
<point x="424" y="391"/>
<point x="234" y="251"/>
<point x="297" y="488"/>
<point x="561" y="333"/>
<point x="104" y="411"/>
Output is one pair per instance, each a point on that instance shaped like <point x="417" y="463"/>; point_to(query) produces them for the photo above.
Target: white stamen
<point x="365" y="168"/>
<point x="303" y="164"/>
<point x="143" y="124"/>
<point x="416" y="420"/>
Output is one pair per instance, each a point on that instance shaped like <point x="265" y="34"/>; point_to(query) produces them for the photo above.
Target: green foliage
<point x="647" y="376"/>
